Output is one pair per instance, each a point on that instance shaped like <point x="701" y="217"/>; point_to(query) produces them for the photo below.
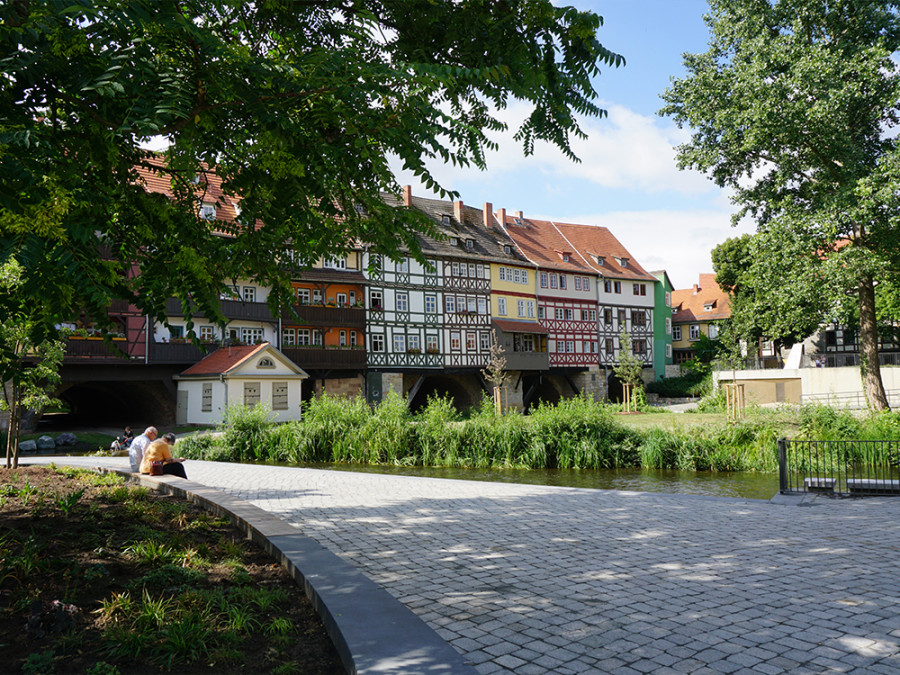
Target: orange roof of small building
<point x="706" y="301"/>
<point x="223" y="360"/>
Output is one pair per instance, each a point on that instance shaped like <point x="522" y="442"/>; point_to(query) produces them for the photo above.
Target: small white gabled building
<point x="239" y="375"/>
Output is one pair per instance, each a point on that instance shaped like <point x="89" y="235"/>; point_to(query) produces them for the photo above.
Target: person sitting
<point x="138" y="445"/>
<point x="127" y="437"/>
<point x="160" y="451"/>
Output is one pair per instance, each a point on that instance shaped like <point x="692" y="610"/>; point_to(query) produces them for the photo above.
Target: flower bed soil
<point x="120" y="580"/>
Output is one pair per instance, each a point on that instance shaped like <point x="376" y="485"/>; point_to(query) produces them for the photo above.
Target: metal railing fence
<point x="839" y="467"/>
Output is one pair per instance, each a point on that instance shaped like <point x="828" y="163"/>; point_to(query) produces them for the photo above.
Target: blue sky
<point x="627" y="180"/>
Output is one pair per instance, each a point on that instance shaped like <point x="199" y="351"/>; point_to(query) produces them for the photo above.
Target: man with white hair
<point x="138" y="445"/>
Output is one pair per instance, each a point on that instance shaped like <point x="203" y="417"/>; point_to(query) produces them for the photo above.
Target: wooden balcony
<point x="317" y="315"/>
<point x="95" y="349"/>
<point x="177" y="352"/>
<point x="321" y="358"/>
<point x="527" y="360"/>
<point x="231" y="309"/>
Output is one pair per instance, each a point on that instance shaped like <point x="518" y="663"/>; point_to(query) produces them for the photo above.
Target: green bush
<point x="692" y="383"/>
<point x="246" y="430"/>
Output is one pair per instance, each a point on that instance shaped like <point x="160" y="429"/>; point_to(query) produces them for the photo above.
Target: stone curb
<point x="372" y="631"/>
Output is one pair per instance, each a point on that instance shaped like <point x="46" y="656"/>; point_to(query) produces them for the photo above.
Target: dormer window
<point x="565" y="257"/>
<point x="517" y="221"/>
<point x="507" y="249"/>
<point x="601" y="260"/>
<point x="470" y="244"/>
<point x="623" y="262"/>
<point x="208" y="211"/>
<point x="708" y="307"/>
<point x="445" y="219"/>
<point x="454" y="241"/>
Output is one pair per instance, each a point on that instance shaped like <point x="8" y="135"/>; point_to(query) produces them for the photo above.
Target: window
<point x="695" y="331"/>
<point x="560" y="313"/>
<point x="399" y="343"/>
<point x="520" y="307"/>
<point x="265" y="362"/>
<point x="668" y="351"/>
<point x="640" y="347"/>
<point x="482" y="272"/>
<point x="450" y="304"/>
<point x="617" y="286"/>
<point x="352" y="297"/>
<point x="403" y="265"/>
<point x="455" y="341"/>
<point x="431" y="304"/>
<point x="585" y="284"/>
<point x="279" y="396"/>
<point x="249" y="293"/>
<point x="413" y="343"/>
<point x="668" y="325"/>
<point x="352" y="338"/>
<point x="610" y="346"/>
<point x="637" y="317"/>
<point x="607" y="316"/>
<point x="317" y="296"/>
<point x="676" y="332"/>
<point x="541" y="312"/>
<point x="570" y="314"/>
<point x="303" y="337"/>
<point x="570" y="346"/>
<point x="341" y="299"/>
<point x="471" y="342"/>
<point x="577" y="283"/>
<point x="482" y="306"/>
<point x="668" y="299"/>
<point x="208" y="211"/>
<point x="529" y="308"/>
<point x="377" y="342"/>
<point x="454" y="269"/>
<point x="640" y="289"/>
<point x="206" y="398"/>
<point x="527" y="343"/>
<point x="207" y="333"/>
<point x="251" y="394"/>
<point x="317" y="336"/>
<point x="335" y="263"/>
<point x="342" y="338"/>
<point x="472" y="270"/>
<point x="607" y="286"/>
<point x="303" y="296"/>
<point x="502" y="274"/>
<point x="485" y="340"/>
<point x="501" y="306"/>
<point x="562" y="281"/>
<point x="431" y="343"/>
<point x="376" y="300"/>
<point x="543" y="280"/>
<point x="554" y="281"/>
<point x="589" y="315"/>
<point x="471" y="305"/>
<point x="621" y="317"/>
<point x="402" y="302"/>
<point x="713" y="331"/>
<point x="251" y="336"/>
<point x="470" y="244"/>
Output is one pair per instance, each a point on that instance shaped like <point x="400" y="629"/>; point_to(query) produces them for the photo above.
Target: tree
<point x="297" y="105"/>
<point x="791" y="108"/>
<point x="29" y="363"/>
<point x="495" y="373"/>
<point x="628" y="366"/>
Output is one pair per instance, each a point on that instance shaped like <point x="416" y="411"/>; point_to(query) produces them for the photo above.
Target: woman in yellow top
<point x="160" y="451"/>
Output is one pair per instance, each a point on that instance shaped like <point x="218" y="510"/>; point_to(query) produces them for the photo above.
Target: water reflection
<point x="748" y="485"/>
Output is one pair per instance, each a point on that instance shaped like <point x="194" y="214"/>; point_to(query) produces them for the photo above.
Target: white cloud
<point x="623" y="151"/>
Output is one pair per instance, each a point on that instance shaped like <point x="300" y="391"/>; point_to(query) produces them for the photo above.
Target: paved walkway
<point x="533" y="579"/>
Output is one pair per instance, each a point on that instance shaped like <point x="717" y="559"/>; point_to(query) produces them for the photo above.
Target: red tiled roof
<point x="593" y="240"/>
<point x="513" y="326"/>
<point x="223" y="360"/>
<point x="543" y="245"/>
<point x="691" y="303"/>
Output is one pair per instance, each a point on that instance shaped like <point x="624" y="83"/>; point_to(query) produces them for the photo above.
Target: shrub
<point x="245" y="430"/>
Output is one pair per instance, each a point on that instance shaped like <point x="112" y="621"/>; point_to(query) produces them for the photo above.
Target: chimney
<point x="519" y="215"/>
<point x="501" y="216"/>
<point x="458" y="211"/>
<point x="407" y="195"/>
<point x="696" y="289"/>
<point x="487" y="215"/>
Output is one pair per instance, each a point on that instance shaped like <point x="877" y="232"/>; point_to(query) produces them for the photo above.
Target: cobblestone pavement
<point x="532" y="579"/>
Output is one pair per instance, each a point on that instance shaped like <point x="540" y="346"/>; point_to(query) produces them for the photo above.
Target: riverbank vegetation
<point x="575" y="433"/>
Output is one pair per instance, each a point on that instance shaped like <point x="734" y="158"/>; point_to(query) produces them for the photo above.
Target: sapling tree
<point x="629" y="366"/>
<point x="495" y="372"/>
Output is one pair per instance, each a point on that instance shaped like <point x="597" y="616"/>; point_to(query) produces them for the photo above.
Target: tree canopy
<point x="792" y="108"/>
<point x="297" y="105"/>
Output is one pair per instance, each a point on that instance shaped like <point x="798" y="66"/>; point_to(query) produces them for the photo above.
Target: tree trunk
<point x="870" y="368"/>
<point x="12" y="436"/>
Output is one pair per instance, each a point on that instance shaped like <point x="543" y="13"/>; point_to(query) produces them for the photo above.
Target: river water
<point x="745" y="484"/>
